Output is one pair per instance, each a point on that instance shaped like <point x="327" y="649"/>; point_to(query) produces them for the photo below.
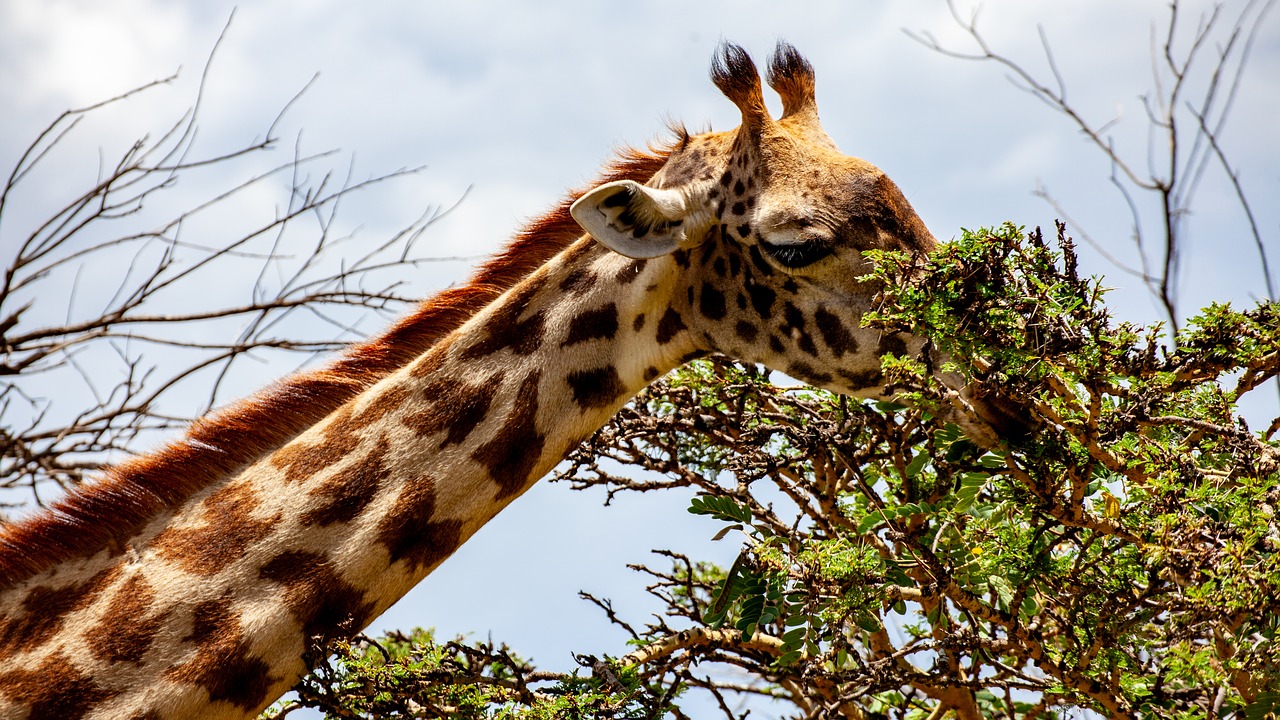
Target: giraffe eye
<point x="798" y="255"/>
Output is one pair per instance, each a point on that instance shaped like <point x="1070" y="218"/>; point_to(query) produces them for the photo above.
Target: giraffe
<point x="188" y="583"/>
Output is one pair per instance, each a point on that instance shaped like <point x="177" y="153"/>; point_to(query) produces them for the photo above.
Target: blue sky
<point x="519" y="101"/>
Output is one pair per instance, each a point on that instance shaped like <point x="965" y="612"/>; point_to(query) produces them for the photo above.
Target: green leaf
<point x="797" y="618"/>
<point x="752" y="608"/>
<point x="794" y="636"/>
<point x="730" y="590"/>
<point x="948" y="434"/>
<point x="959" y="449"/>
<point x="909" y="509"/>
<point x="917" y="464"/>
<point x="775" y="590"/>
<point x="1029" y="606"/>
<point x="725" y="531"/>
<point x="722" y="508"/>
<point x="871" y="521"/>
<point x="901" y="512"/>
<point x="992" y="461"/>
<point x="897" y="575"/>
<point x="1003" y="588"/>
<point x="971" y="484"/>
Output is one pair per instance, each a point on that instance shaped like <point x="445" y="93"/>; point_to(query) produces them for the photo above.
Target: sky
<point x="510" y="104"/>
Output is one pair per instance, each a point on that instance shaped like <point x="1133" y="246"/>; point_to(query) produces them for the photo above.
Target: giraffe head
<point x="769" y="223"/>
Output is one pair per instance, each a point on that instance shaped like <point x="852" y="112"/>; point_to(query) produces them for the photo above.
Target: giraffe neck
<point x="209" y="610"/>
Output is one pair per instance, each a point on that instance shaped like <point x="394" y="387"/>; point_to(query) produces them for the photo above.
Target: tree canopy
<point x="1122" y="556"/>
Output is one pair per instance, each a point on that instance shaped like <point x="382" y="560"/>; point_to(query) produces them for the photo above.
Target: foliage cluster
<point x="413" y="675"/>
<point x="1123" y="556"/>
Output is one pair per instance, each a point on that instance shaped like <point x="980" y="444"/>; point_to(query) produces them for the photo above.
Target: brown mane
<point x="106" y="513"/>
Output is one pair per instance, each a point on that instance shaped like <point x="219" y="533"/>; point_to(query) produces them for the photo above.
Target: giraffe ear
<point x="635" y="220"/>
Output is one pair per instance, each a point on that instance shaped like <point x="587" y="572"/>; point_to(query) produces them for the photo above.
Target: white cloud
<point x="77" y="52"/>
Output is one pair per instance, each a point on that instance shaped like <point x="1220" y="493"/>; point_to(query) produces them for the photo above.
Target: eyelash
<point x="798" y="255"/>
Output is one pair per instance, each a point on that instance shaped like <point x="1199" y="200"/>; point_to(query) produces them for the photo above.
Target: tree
<point x="158" y="311"/>
<point x="1196" y="76"/>
<point x="1124" y="557"/>
<point x="1121" y="557"/>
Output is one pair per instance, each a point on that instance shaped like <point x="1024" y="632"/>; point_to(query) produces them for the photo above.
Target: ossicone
<point x="733" y="71"/>
<point x="792" y="77"/>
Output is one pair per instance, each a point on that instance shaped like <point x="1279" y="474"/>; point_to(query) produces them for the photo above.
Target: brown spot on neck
<point x="834" y="333"/>
<point x="598" y="324"/>
<point x="862" y="379"/>
<point x="229" y="531"/>
<point x="322" y="602"/>
<point x="892" y="344"/>
<point x="512" y="453"/>
<point x="351" y="490"/>
<point x="669" y="325"/>
<point x="595" y="388"/>
<point x="507" y="328"/>
<point x="630" y="271"/>
<point x="794" y="326"/>
<point x="341" y="437"/>
<point x="223" y="663"/>
<point x="55" y="690"/>
<point x="45" y="608"/>
<point x="762" y="299"/>
<point x="711" y="302"/>
<point x="453" y="405"/>
<point x="127" y="629"/>
<point x="412" y="532"/>
<point x="578" y="281"/>
<point x="301" y="461"/>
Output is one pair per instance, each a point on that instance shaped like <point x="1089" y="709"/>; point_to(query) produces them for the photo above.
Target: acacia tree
<point x="1120" y="558"/>
<point x="1124" y="556"/>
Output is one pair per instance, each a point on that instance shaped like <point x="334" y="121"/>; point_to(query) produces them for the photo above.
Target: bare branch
<point x="1178" y="151"/>
<point x="124" y="353"/>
